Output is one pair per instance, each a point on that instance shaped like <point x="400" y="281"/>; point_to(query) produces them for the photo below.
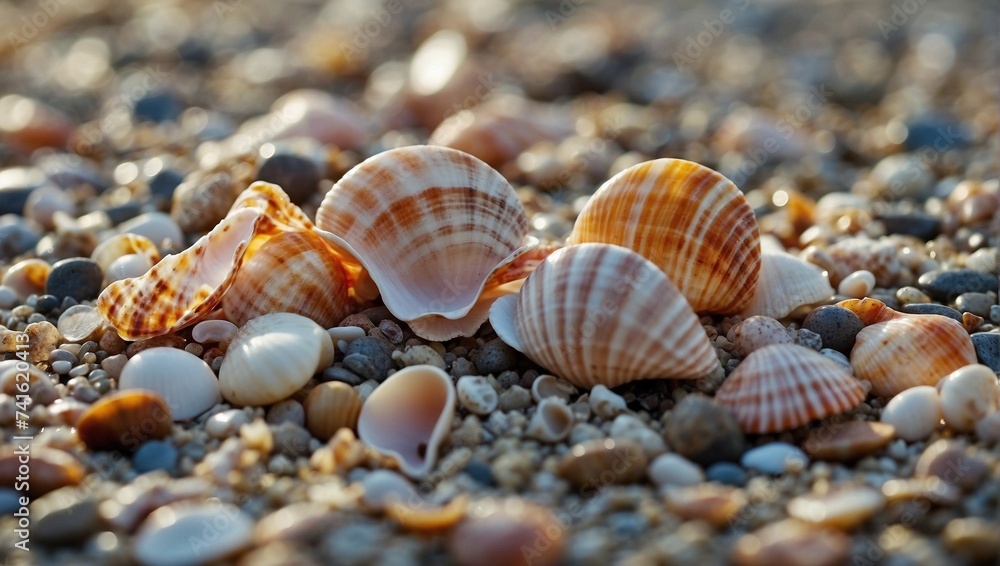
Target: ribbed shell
<point x="291" y="272"/>
<point x="432" y="227"/>
<point x="686" y="218"/>
<point x="785" y="284"/>
<point x="602" y="314"/>
<point x="898" y="351"/>
<point x="784" y="386"/>
<point x="121" y="245"/>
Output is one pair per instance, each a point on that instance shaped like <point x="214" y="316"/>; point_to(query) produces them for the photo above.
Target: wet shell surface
<point x="602" y="314"/>
<point x="331" y="406"/>
<point x="897" y="351"/>
<point x="125" y="420"/>
<point x="272" y="357"/>
<point x="408" y="417"/>
<point x="785" y="284"/>
<point x="784" y="386"/>
<point x="687" y="219"/>
<point x="435" y="230"/>
<point x="184" y="380"/>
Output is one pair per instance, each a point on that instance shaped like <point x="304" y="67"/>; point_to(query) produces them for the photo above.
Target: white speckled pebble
<point x="192" y="534"/>
<point x="673" y="470"/>
<point x="967" y="395"/>
<point x="343" y="335"/>
<point x="605" y="402"/>
<point x="857" y="284"/>
<point x="774" y="458"/>
<point x="756" y="332"/>
<point x="915" y="413"/>
<point x="477" y="395"/>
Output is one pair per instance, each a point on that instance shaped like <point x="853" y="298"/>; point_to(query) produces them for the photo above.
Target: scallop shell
<point x="602" y="314"/>
<point x="896" y="351"/>
<point x="785" y="284"/>
<point x="408" y="417"/>
<point x="687" y="219"/>
<point x="184" y="380"/>
<point x="784" y="386"/>
<point x="435" y="229"/>
<point x="330" y="407"/>
<point x="272" y="357"/>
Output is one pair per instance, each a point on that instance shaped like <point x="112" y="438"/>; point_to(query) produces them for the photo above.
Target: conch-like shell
<point x="602" y="314"/>
<point x="687" y="219"/>
<point x="437" y="231"/>
<point x="897" y="351"/>
<point x="408" y="416"/>
<point x="183" y="288"/>
<point x="784" y="386"/>
<point x="122" y="254"/>
<point x="786" y="283"/>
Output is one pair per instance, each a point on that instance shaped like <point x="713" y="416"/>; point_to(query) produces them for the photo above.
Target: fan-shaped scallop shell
<point x="896" y="351"/>
<point x="602" y="314"/>
<point x="689" y="220"/>
<point x="182" y="288"/>
<point x="784" y="386"/>
<point x="435" y="229"/>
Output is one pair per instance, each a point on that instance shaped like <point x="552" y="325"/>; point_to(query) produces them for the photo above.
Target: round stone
<point x="81" y="323"/>
<point x="155" y="455"/>
<point x="170" y="535"/>
<point x="703" y="432"/>
<point x="921" y="308"/>
<point x="726" y="473"/>
<point x="977" y="303"/>
<point x="844" y="508"/>
<point x="857" y="285"/>
<point x="78" y="277"/>
<point x="671" y="469"/>
<point x="774" y="458"/>
<point x="968" y="394"/>
<point x="848" y="441"/>
<point x="603" y="461"/>
<point x="377" y="359"/>
<point x="914" y="413"/>
<point x="987" y="345"/>
<point x="946" y="285"/>
<point x="953" y="463"/>
<point x="836" y="326"/>
<point x="297" y="175"/>
<point x="494" y="357"/>
<point x="46" y="304"/>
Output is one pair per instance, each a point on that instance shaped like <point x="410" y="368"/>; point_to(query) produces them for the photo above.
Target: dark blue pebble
<point x="157" y="106"/>
<point x="123" y="212"/>
<point x="946" y="285"/>
<point x="155" y="455"/>
<point x="987" y="346"/>
<point x="837" y="326"/>
<point x="937" y="131"/>
<point x="726" y="473"/>
<point x="927" y="308"/>
<point x="46" y="304"/>
<point x="916" y="224"/>
<point x="480" y="472"/>
<point x="162" y="184"/>
<point x="76" y="277"/>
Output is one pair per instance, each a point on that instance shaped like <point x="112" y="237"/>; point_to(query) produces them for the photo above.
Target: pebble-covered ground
<point x="865" y="136"/>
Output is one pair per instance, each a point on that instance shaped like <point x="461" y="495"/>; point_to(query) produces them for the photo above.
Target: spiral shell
<point x="784" y="386"/>
<point x="897" y="351"/>
<point x="687" y="219"/>
<point x="602" y="314"/>
<point x="436" y="230"/>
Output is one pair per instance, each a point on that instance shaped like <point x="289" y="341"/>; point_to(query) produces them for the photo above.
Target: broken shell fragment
<point x="408" y="416"/>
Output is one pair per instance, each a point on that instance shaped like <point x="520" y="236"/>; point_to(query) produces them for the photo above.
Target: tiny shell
<point x="552" y="420"/>
<point x="857" y="284"/>
<point x="844" y="508"/>
<point x="427" y="518"/>
<point x="915" y="413"/>
<point x="331" y="406"/>
<point x="497" y="533"/>
<point x="477" y="395"/>
<point x="408" y="417"/>
<point x="125" y="420"/>
<point x="272" y="357"/>
<point x="896" y="351"/>
<point x="440" y="240"/>
<point x="687" y="219"/>
<point x="184" y="380"/>
<point x="785" y="284"/>
<point x="120" y="245"/>
<point x="968" y="395"/>
<point x="606" y="403"/>
<point x="581" y="295"/>
<point x="192" y="533"/>
<point x="547" y="385"/>
<point x="157" y="227"/>
<point x="784" y="386"/>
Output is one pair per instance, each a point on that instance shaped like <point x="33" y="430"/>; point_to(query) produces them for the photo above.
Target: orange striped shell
<point x="689" y="220"/>
<point x="896" y="351"/>
<point x="437" y="231"/>
<point x="784" y="386"/>
<point x="602" y="314"/>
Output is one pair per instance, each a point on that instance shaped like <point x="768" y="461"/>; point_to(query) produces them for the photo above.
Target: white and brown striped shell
<point x="687" y="219"/>
<point x="437" y="231"/>
<point x="603" y="314"/>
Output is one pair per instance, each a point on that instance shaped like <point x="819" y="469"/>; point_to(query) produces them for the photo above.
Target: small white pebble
<point x="342" y="336"/>
<point x="911" y="295"/>
<point x="915" y="413"/>
<point x="674" y="470"/>
<point x="857" y="284"/>
<point x="967" y="395"/>
<point x="213" y="331"/>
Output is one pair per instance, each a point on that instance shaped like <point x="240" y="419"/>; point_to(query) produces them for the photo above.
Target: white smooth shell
<point x="186" y="534"/>
<point x="214" y="331"/>
<point x="915" y="413"/>
<point x="184" y="380"/>
<point x="408" y="416"/>
<point x="785" y="284"/>
<point x="272" y="357"/>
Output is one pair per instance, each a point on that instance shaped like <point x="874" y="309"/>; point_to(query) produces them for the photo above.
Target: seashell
<point x="272" y="357"/>
<point x="501" y="129"/>
<point x="214" y="331"/>
<point x="291" y="272"/>
<point x="602" y="314"/>
<point x="967" y="395"/>
<point x="844" y="508"/>
<point x="185" y="381"/>
<point x="124" y="420"/>
<point x="547" y="385"/>
<point x="784" y="386"/>
<point x="785" y="284"/>
<point x="408" y="417"/>
<point x="914" y="414"/>
<point x="330" y="407"/>
<point x="123" y="245"/>
<point x="438" y="240"/>
<point x="477" y="395"/>
<point x="687" y="219"/>
<point x="51" y="469"/>
<point x="508" y="532"/>
<point x="715" y="504"/>
<point x="756" y="332"/>
<point x="857" y="284"/>
<point x="552" y="420"/>
<point x="606" y="403"/>
<point x="896" y="351"/>
<point x="179" y="533"/>
<point x="27" y="277"/>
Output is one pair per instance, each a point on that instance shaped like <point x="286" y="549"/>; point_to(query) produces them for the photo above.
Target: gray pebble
<point x="703" y="432"/>
<point x="977" y="303"/>
<point x="62" y="367"/>
<point x="461" y="367"/>
<point x="341" y="374"/>
<point x="155" y="455"/>
<point x="947" y="285"/>
<point x="836" y="326"/>
<point x="16" y="237"/>
<point x="60" y="355"/>
<point x="363" y="366"/>
<point x="995" y="314"/>
<point x="8" y="298"/>
<point x="987" y="346"/>
<point x="508" y="379"/>
<point x="810" y="339"/>
<point x="726" y="473"/>
<point x="67" y="516"/>
<point x="379" y="357"/>
<point x="9" y="501"/>
<point x="77" y="277"/>
<point x="494" y="357"/>
<point x="926" y="308"/>
<point x="291" y="440"/>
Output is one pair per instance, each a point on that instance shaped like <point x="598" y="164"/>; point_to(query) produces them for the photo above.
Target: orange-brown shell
<point x="689" y="220"/>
